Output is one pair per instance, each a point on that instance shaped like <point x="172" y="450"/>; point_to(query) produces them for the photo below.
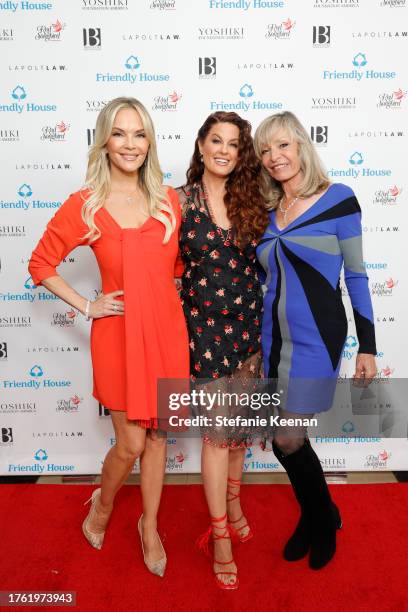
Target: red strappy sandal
<point x="230" y="497"/>
<point x="203" y="542"/>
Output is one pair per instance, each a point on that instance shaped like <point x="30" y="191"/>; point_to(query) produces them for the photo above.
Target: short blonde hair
<point x="315" y="178"/>
<point x="150" y="176"/>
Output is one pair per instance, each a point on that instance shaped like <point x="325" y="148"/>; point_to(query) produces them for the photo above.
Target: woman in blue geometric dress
<point x="314" y="229"/>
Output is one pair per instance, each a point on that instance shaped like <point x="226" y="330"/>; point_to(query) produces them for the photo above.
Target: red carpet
<point x="42" y="547"/>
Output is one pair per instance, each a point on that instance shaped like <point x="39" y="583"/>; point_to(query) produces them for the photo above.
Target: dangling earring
<point x="201" y="158"/>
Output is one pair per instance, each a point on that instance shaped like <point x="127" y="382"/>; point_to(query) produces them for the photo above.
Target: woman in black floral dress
<point x="223" y="217"/>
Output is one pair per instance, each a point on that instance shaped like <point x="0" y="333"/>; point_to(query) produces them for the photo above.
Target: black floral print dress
<point x="222" y="301"/>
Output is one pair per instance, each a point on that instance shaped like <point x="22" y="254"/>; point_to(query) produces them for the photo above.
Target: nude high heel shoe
<point x="95" y="539"/>
<point x="155" y="567"/>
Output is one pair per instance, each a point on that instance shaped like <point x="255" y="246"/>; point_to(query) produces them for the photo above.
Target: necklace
<point x="225" y="234"/>
<point x="285" y="211"/>
<point x="129" y="197"/>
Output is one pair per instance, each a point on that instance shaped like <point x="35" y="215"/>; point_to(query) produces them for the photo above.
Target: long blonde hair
<point x="315" y="178"/>
<point x="150" y="176"/>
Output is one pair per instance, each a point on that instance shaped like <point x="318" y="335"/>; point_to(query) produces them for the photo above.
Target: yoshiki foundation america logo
<point x="105" y="5"/>
<point x="9" y="135"/>
<point x="221" y="33"/>
<point x="6" y="34"/>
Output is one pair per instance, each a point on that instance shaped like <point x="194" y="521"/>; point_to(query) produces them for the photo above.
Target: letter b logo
<point x="92" y="37"/>
<point x="321" y="35"/>
<point x="6" y="435"/>
<point x="319" y="134"/>
<point x="103" y="412"/>
<point x="90" y="135"/>
<point x="207" y="66"/>
<point x="3" y="350"/>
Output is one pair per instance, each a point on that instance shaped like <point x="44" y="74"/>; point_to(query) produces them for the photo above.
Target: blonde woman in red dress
<point x="131" y="222"/>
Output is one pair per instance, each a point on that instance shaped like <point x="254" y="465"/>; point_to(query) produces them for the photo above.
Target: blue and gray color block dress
<point x="304" y="324"/>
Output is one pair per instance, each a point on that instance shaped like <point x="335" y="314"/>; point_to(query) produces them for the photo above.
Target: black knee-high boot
<point x="320" y="518"/>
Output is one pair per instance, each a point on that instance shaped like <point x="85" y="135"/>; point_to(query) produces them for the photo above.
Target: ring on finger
<point x="115" y="308"/>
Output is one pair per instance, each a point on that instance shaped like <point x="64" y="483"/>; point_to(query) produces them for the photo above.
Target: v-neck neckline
<point x="203" y="196"/>
<point x="124" y="229"/>
<point x="319" y="199"/>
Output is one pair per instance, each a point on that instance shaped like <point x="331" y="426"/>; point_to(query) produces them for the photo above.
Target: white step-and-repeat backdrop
<point x="340" y="65"/>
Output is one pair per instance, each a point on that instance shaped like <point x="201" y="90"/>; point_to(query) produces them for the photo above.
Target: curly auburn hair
<point x="245" y="205"/>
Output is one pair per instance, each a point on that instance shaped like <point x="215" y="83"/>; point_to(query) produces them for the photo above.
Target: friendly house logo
<point x="25" y="201"/>
<point x="356" y="159"/>
<point x="30" y="295"/>
<point x="19" y="93"/>
<point x="246" y="100"/>
<point x="19" y="105"/>
<point x="25" y="191"/>
<point x="350" y="347"/>
<point x="36" y="371"/>
<point x="133" y="73"/>
<point x="41" y="464"/>
<point x="25" y="6"/>
<point x="245" y="5"/>
<point x="360" y="71"/>
<point x="35" y="380"/>
<point x="358" y="168"/>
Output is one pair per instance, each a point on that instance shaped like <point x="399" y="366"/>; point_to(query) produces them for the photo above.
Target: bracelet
<point x="88" y="305"/>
